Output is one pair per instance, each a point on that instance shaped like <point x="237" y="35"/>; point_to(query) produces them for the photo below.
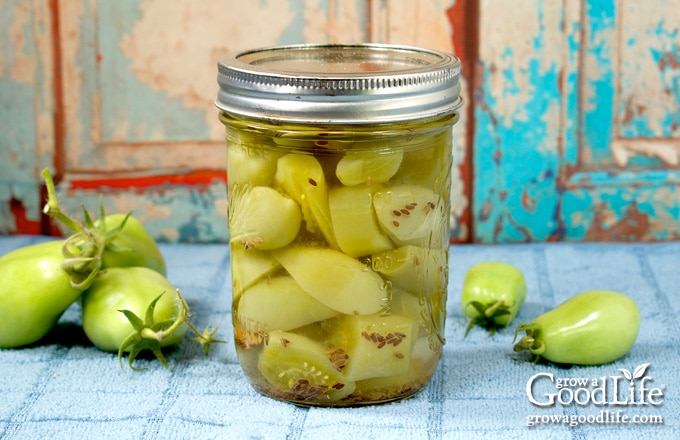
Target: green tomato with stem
<point x="492" y="295"/>
<point x="132" y="309"/>
<point x="133" y="289"/>
<point x="592" y="328"/>
<point x="116" y="240"/>
<point x="131" y="246"/>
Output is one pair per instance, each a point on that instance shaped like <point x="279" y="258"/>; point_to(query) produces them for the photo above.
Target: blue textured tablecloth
<point x="67" y="389"/>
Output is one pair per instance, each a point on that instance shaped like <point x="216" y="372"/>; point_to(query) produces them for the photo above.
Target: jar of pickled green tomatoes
<point x="338" y="169"/>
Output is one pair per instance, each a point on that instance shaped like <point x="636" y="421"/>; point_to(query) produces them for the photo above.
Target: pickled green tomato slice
<point x="407" y="212"/>
<point x="245" y="164"/>
<point x="356" y="227"/>
<point x="262" y="218"/>
<point x="249" y="266"/>
<point x="335" y="279"/>
<point x="413" y="268"/>
<point x="301" y="177"/>
<point x="279" y="303"/>
<point x="423" y="363"/>
<point x="427" y="165"/>
<point x="376" y="345"/>
<point x="368" y="167"/>
<point x="300" y="368"/>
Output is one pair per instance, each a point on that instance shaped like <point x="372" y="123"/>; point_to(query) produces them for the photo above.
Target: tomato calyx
<point x="487" y="315"/>
<point x="206" y="338"/>
<point x="148" y="335"/>
<point x="82" y="250"/>
<point x="532" y="341"/>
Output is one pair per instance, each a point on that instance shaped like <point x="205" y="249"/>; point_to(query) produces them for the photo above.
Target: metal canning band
<point x="339" y="84"/>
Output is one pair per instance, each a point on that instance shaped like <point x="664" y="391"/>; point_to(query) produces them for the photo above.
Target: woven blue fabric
<point x="65" y="388"/>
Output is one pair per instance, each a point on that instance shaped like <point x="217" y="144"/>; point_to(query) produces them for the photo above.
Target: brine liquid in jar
<point x="339" y="229"/>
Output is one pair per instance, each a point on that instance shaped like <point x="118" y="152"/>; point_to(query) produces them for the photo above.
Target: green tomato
<point x="132" y="289"/>
<point x="593" y="328"/>
<point x="34" y="292"/>
<point x="115" y="240"/>
<point x="493" y="293"/>
<point x="132" y="246"/>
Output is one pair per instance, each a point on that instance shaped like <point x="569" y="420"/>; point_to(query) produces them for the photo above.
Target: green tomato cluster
<point x="592" y="328"/>
<point x="116" y="270"/>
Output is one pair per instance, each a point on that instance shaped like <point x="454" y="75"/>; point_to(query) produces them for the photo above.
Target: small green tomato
<point x="115" y="240"/>
<point x="131" y="246"/>
<point x="127" y="288"/>
<point x="34" y="293"/>
<point x="131" y="309"/>
<point x="493" y="293"/>
<point x="593" y="328"/>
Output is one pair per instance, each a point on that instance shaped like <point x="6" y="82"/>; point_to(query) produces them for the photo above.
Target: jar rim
<point x="339" y="83"/>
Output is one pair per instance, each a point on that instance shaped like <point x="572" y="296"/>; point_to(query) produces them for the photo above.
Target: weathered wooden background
<point x="571" y="129"/>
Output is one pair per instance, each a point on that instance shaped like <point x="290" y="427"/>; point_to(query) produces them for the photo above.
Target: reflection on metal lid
<point x="365" y="83"/>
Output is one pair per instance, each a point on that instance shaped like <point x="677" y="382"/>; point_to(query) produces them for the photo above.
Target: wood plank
<point x="518" y="116"/>
<point x="554" y="98"/>
<point x="26" y="94"/>
<point x="139" y="80"/>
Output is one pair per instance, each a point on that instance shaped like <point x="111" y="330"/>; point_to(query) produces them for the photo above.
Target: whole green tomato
<point x="34" y="292"/>
<point x="116" y="240"/>
<point x="592" y="328"/>
<point x="131" y="246"/>
<point x="132" y="289"/>
<point x="493" y="293"/>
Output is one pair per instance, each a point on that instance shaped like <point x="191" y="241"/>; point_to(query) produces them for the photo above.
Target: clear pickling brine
<point x="338" y="167"/>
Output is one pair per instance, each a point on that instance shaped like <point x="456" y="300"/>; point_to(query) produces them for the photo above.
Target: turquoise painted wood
<point x="577" y="133"/>
<point x="135" y="82"/>
<point x="574" y="133"/>
<point x="140" y="77"/>
<point x="26" y="111"/>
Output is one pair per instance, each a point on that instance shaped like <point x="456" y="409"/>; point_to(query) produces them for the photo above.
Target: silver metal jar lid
<point x="335" y="84"/>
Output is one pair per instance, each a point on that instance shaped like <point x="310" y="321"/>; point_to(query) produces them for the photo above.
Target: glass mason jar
<point x="338" y="165"/>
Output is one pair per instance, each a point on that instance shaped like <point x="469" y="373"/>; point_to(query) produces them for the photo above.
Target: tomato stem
<point x="487" y="315"/>
<point x="148" y="334"/>
<point x="533" y="342"/>
<point x="179" y="320"/>
<point x="52" y="207"/>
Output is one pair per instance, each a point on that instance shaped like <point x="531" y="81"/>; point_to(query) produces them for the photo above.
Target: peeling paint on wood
<point x="26" y="111"/>
<point x="579" y="126"/>
<point x="139" y="78"/>
<point x="195" y="214"/>
<point x="574" y="135"/>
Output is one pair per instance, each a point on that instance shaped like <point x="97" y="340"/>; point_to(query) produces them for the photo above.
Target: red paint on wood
<point x="633" y="226"/>
<point x="23" y="225"/>
<point x="57" y="83"/>
<point x="194" y="178"/>
<point x="528" y="202"/>
<point x="669" y="60"/>
<point x="464" y="19"/>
